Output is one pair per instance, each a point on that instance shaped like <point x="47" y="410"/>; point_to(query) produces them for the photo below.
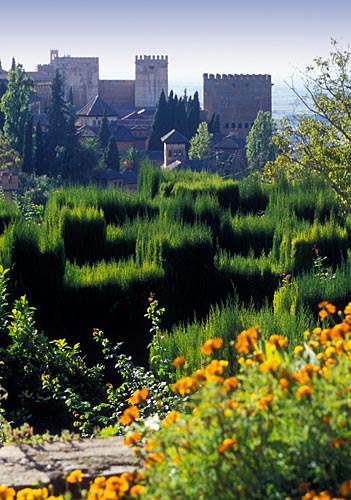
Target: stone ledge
<point x="32" y="465"/>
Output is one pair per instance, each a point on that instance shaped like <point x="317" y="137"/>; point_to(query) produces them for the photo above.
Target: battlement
<point x="218" y="77"/>
<point x="151" y="58"/>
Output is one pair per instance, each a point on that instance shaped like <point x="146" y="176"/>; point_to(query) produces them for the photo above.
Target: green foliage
<point x="200" y="143"/>
<point x="104" y="133"/>
<point x="111" y="156"/>
<point x="148" y="180"/>
<point x="259" y="146"/>
<point x="321" y="142"/>
<point x="14" y="105"/>
<point x="279" y="429"/>
<point x="160" y="124"/>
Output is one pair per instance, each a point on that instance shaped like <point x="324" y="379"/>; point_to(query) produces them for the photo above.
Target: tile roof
<point x="97" y="107"/>
<point x="174" y="137"/>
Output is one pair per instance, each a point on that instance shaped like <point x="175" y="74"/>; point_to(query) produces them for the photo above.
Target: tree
<point x="27" y="155"/>
<point x="111" y="155"/>
<point x="193" y="112"/>
<point x="14" y="105"/>
<point x="200" y="144"/>
<point x="9" y="157"/>
<point x="104" y="132"/>
<point x="214" y="125"/>
<point x="259" y="143"/>
<point x="320" y="142"/>
<point x="2" y="116"/>
<point x="39" y="160"/>
<point x="181" y="120"/>
<point x="160" y="125"/>
<point x="131" y="158"/>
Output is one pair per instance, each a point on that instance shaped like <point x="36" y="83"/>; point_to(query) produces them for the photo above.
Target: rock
<point x="43" y="464"/>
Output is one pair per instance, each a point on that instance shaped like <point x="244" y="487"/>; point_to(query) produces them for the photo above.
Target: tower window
<point x="227" y="125"/>
<point x="151" y="67"/>
<point x="240" y="125"/>
<point x="246" y="125"/>
<point x="233" y="125"/>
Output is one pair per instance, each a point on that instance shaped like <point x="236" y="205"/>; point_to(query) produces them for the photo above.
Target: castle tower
<point x="237" y="99"/>
<point x="151" y="76"/>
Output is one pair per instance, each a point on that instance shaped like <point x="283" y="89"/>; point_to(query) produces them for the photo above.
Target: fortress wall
<point x="151" y="76"/>
<point x="118" y="92"/>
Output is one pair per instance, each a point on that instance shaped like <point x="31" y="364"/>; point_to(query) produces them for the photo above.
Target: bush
<point x="279" y="428"/>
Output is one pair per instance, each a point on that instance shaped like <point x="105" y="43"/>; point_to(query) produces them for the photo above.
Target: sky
<point x="273" y="37"/>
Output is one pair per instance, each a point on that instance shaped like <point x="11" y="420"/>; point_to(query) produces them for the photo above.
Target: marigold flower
<point x="118" y="484"/>
<point x="345" y="488"/>
<point x="7" y="493"/>
<point x="185" y="385"/>
<point x="178" y="361"/>
<point x="284" y="383"/>
<point x="211" y="344"/>
<point x="278" y="341"/>
<point x="75" y="476"/>
<point x="298" y="349"/>
<point x="304" y="390"/>
<point x="246" y="341"/>
<point x="264" y="402"/>
<point x="270" y="365"/>
<point x="340" y="330"/>
<point x="173" y="416"/>
<point x="138" y="396"/>
<point x="230" y="383"/>
<point x="227" y="443"/>
<point x="129" y="415"/>
<point x="132" y="438"/>
<point x="137" y="489"/>
<point x="154" y="457"/>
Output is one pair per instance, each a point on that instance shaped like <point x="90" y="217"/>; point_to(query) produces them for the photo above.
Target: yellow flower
<point x="246" y="341"/>
<point x="230" y="383"/>
<point x="227" y="443"/>
<point x="136" y="489"/>
<point x="173" y="416"/>
<point x="270" y="365"/>
<point x="138" y="396"/>
<point x="284" y="383"/>
<point x="7" y="493"/>
<point x="129" y="415"/>
<point x="298" y="349"/>
<point x="347" y="309"/>
<point x="75" y="477"/>
<point x="185" y="385"/>
<point x="211" y="344"/>
<point x="33" y="494"/>
<point x="178" y="361"/>
<point x="345" y="488"/>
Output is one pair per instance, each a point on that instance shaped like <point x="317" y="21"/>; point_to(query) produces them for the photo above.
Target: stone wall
<point x="118" y="92"/>
<point x="237" y="99"/>
<point x="151" y="76"/>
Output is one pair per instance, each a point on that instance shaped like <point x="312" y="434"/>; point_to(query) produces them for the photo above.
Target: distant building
<point x="237" y="99"/>
<point x="174" y="148"/>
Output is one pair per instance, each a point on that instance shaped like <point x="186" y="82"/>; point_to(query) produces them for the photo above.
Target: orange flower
<point x="230" y="383"/>
<point x="132" y="438"/>
<point x="129" y="415"/>
<point x="136" y="489"/>
<point x="247" y="340"/>
<point x="284" y="383"/>
<point x="270" y="365"/>
<point x="345" y="488"/>
<point x="173" y="416"/>
<point x="185" y="385"/>
<point x="138" y="396"/>
<point x="75" y="476"/>
<point x="264" y="402"/>
<point x="304" y="390"/>
<point x="211" y="344"/>
<point x="227" y="443"/>
<point x="347" y="309"/>
<point x="278" y="341"/>
<point x="154" y="457"/>
<point x="7" y="493"/>
<point x="178" y="361"/>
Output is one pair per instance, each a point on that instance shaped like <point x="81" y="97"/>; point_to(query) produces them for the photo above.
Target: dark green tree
<point x="193" y="112"/>
<point x="214" y="125"/>
<point x="181" y="119"/>
<point x="39" y="160"/>
<point x="259" y="143"/>
<point x="104" y="133"/>
<point x="2" y="116"/>
<point x="13" y="64"/>
<point x="111" y="154"/>
<point x="14" y="105"/>
<point x="160" y="125"/>
<point x="27" y="155"/>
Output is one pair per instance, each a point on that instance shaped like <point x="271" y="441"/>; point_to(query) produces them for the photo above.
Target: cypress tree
<point x="111" y="154"/>
<point x="104" y="133"/>
<point x="160" y="124"/>
<point x="39" y="161"/>
<point x="69" y="160"/>
<point x="27" y="155"/>
<point x="2" y="116"/>
<point x="214" y="125"/>
<point x="193" y="111"/>
<point x="13" y="64"/>
<point x="181" y="121"/>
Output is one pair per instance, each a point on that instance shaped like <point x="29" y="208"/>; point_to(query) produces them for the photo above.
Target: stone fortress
<point x="236" y="98"/>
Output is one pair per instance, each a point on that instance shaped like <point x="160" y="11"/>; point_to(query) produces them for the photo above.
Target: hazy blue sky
<point x="209" y="36"/>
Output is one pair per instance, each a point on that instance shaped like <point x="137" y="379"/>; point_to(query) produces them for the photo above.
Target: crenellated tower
<point x="151" y="76"/>
<point x="237" y="99"/>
